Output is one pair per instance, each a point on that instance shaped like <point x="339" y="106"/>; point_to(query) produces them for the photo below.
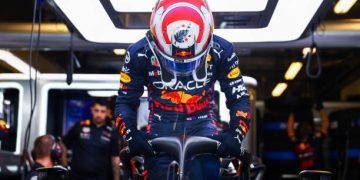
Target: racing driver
<point x="179" y="60"/>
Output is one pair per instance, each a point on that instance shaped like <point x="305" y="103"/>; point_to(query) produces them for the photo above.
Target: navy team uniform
<point x="309" y="153"/>
<point x="33" y="173"/>
<point x="92" y="148"/>
<point x="187" y="106"/>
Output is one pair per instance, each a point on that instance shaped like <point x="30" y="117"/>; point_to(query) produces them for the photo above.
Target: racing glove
<point x="230" y="142"/>
<point x="138" y="142"/>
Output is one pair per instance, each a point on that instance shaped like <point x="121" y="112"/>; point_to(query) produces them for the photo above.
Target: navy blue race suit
<point x="187" y="106"/>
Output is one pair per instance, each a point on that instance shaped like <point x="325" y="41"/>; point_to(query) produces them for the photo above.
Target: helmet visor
<point x="181" y="66"/>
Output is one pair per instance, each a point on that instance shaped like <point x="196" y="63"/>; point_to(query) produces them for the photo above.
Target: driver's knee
<point x="203" y="167"/>
<point x="157" y="167"/>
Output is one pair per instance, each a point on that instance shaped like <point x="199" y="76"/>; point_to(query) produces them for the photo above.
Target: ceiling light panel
<point x="343" y="6"/>
<point x="288" y="22"/>
<point x="293" y="70"/>
<point x="279" y="89"/>
<point x="119" y="52"/>
<point x="215" y="5"/>
<point x="15" y="62"/>
<point x="102" y="93"/>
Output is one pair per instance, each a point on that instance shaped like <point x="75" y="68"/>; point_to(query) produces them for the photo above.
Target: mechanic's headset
<point x="56" y="150"/>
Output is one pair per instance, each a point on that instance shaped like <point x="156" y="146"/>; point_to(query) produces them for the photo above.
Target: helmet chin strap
<point x="204" y="77"/>
<point x="167" y="78"/>
<point x="202" y="72"/>
<point x="200" y="75"/>
<point x="170" y="83"/>
<point x="173" y="81"/>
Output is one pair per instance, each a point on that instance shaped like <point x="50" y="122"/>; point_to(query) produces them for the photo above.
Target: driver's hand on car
<point x="230" y="142"/>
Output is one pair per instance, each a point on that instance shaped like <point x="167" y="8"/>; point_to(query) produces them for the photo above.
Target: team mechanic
<point x="179" y="62"/>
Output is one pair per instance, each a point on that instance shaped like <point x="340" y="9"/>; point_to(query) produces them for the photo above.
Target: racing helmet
<point x="181" y="34"/>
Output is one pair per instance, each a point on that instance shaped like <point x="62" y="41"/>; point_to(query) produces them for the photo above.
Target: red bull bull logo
<point x="85" y="122"/>
<point x="178" y="97"/>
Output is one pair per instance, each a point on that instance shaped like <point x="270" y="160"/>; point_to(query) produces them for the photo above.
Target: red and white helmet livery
<point x="181" y="33"/>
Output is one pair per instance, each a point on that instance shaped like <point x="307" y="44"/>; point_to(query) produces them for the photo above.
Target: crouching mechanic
<point x="179" y="62"/>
